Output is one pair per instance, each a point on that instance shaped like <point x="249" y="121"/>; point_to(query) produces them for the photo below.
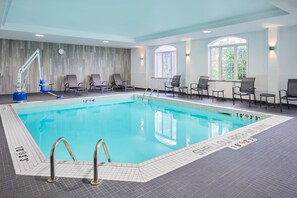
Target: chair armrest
<point x="167" y="83"/>
<point x="104" y="82"/>
<point x="233" y="89"/>
<point x="81" y="83"/>
<point x="191" y="85"/>
<point x="280" y="92"/>
<point x="66" y="85"/>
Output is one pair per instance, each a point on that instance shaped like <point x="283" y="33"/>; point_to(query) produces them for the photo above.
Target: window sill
<point x="159" y="77"/>
<point x="225" y="80"/>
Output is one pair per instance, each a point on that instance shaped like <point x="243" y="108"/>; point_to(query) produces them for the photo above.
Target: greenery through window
<point x="165" y="61"/>
<point x="228" y="59"/>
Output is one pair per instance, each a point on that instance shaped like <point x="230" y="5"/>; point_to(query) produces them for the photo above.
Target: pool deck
<point x="265" y="168"/>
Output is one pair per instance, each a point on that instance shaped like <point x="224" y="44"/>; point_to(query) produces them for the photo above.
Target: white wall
<point x="266" y="68"/>
<point x="287" y="53"/>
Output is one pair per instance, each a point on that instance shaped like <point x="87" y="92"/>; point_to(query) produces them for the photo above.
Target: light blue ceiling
<point x="131" y="20"/>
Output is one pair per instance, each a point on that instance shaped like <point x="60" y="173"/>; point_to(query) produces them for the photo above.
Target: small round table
<point x="218" y="91"/>
<point x="267" y="95"/>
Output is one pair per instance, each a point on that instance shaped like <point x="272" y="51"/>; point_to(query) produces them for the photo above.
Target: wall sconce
<point x="141" y="58"/>
<point x="187" y="54"/>
<point x="271" y="48"/>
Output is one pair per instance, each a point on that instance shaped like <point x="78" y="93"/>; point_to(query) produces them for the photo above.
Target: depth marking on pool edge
<point x="21" y="154"/>
<point x="242" y="143"/>
<point x="229" y="140"/>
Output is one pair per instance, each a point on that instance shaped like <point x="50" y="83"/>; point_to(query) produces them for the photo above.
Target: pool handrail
<point x="97" y="181"/>
<point x="52" y="178"/>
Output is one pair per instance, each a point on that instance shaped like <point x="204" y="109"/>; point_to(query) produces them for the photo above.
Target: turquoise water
<point x="133" y="131"/>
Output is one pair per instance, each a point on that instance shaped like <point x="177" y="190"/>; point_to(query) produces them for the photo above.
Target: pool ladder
<point x="52" y="179"/>
<point x="151" y="92"/>
<point x="95" y="180"/>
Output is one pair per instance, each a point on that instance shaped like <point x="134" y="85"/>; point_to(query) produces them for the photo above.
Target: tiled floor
<point x="265" y="168"/>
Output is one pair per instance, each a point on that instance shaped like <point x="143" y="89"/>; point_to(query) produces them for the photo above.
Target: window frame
<point x="220" y="47"/>
<point x="160" y="51"/>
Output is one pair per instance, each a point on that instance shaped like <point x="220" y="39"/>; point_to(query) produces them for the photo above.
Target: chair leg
<point x="207" y="94"/>
<point x="288" y="103"/>
<point x="255" y="98"/>
<point x="280" y="104"/>
<point x="240" y="98"/>
<point x="233" y="98"/>
<point x="249" y="100"/>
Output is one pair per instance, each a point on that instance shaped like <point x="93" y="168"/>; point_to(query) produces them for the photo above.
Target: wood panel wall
<point x="77" y="59"/>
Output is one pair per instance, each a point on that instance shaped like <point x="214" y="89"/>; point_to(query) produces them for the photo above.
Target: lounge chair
<point x="202" y="85"/>
<point x="96" y="83"/>
<point x="247" y="88"/>
<point x="119" y="83"/>
<point x="290" y="93"/>
<point x="72" y="85"/>
<point x="170" y="86"/>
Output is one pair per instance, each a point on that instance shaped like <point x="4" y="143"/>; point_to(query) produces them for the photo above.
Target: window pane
<point x="227" y="41"/>
<point x="228" y="63"/>
<point x="158" y="65"/>
<point x="242" y="61"/>
<point x="165" y="61"/>
<point x="214" y="63"/>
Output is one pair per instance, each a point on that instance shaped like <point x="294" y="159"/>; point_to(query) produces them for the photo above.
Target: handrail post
<point x="97" y="181"/>
<point x="52" y="178"/>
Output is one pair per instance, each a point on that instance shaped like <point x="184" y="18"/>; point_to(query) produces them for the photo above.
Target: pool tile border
<point x="37" y="165"/>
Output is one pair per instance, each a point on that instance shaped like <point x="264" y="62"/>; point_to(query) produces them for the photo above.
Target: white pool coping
<point x="18" y="136"/>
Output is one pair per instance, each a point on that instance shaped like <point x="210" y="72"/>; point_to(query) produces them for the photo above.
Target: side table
<point x="218" y="91"/>
<point x="267" y="95"/>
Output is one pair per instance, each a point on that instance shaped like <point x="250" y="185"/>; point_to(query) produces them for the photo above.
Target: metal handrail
<point x="97" y="181"/>
<point x="144" y="93"/>
<point x="52" y="179"/>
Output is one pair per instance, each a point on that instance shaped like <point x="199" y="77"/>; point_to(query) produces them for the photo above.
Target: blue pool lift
<point x="20" y="95"/>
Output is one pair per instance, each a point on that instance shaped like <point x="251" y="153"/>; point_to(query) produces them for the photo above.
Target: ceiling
<point x="133" y="23"/>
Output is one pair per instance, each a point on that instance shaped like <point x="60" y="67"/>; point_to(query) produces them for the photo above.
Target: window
<point x="165" y="128"/>
<point x="165" y="61"/>
<point x="228" y="59"/>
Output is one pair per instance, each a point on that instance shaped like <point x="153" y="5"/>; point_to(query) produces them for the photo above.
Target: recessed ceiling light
<point x="105" y="41"/>
<point x="39" y="35"/>
<point x="206" y="31"/>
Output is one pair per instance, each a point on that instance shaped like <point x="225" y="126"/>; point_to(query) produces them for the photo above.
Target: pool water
<point x="134" y="131"/>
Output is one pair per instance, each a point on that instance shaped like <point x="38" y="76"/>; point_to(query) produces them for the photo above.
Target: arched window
<point x="228" y="58"/>
<point x="165" y="61"/>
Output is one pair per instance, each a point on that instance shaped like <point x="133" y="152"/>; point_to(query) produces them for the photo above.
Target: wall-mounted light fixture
<point x="271" y="48"/>
<point x="141" y="58"/>
<point x="188" y="54"/>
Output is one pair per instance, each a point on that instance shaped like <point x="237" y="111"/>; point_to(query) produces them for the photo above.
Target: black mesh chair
<point x="96" y="83"/>
<point x="175" y="82"/>
<point x="119" y="83"/>
<point x="290" y="93"/>
<point x="247" y="88"/>
<point x="73" y="85"/>
<point x="202" y="85"/>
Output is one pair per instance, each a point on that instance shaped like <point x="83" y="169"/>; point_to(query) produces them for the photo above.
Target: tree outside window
<point x="228" y="59"/>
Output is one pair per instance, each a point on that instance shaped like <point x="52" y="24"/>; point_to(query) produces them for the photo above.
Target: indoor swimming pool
<point x="146" y="136"/>
<point x="133" y="130"/>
